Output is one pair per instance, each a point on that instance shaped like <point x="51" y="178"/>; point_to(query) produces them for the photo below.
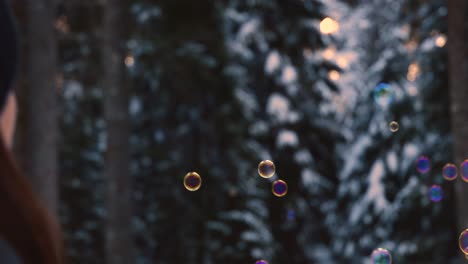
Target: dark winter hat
<point x="8" y="51"/>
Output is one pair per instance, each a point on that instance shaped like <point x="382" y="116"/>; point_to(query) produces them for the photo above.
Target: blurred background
<point x="119" y="99"/>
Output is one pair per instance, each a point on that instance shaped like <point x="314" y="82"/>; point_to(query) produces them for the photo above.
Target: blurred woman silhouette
<point x="28" y="233"/>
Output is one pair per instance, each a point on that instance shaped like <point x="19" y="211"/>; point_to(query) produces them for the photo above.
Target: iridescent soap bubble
<point x="394" y="126"/>
<point x="192" y="181"/>
<point x="261" y="262"/>
<point x="383" y="94"/>
<point x="464" y="170"/>
<point x="435" y="193"/>
<point x="463" y="242"/>
<point x="450" y="172"/>
<point x="279" y="188"/>
<point x="381" y="256"/>
<point x="423" y="164"/>
<point x="266" y="168"/>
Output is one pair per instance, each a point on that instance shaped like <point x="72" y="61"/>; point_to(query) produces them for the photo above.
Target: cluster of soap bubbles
<point x="450" y="173"/>
<point x="266" y="169"/>
<point x="423" y="166"/>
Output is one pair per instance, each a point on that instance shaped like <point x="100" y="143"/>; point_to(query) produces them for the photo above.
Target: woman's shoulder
<point x="8" y="254"/>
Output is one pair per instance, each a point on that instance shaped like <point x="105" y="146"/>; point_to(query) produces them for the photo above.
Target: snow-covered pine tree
<point x="382" y="200"/>
<point x="274" y="49"/>
<point x="186" y="119"/>
<point x="82" y="140"/>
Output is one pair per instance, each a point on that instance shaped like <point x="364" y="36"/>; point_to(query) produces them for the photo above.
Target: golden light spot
<point x="329" y="53"/>
<point x="61" y="24"/>
<point x="129" y="61"/>
<point x="329" y="26"/>
<point x="440" y="41"/>
<point x="342" y="62"/>
<point x="334" y="75"/>
<point x="413" y="72"/>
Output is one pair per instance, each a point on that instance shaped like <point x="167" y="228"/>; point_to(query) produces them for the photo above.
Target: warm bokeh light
<point x="61" y="24"/>
<point x="413" y="72"/>
<point x="129" y="61"/>
<point x="440" y="41"/>
<point x="329" y="53"/>
<point x="334" y="75"/>
<point x="342" y="62"/>
<point x="329" y="26"/>
<point x="289" y="74"/>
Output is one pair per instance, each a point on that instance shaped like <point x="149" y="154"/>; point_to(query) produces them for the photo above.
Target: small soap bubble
<point x="383" y="94"/>
<point x="279" y="188"/>
<point x="261" y="262"/>
<point x="435" y="193"/>
<point x="423" y="164"/>
<point x="266" y="168"/>
<point x="463" y="241"/>
<point x="192" y="181"/>
<point x="464" y="170"/>
<point x="394" y="126"/>
<point x="450" y="172"/>
<point x="381" y="256"/>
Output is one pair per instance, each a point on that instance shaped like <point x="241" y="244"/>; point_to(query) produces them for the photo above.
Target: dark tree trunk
<point x="458" y="79"/>
<point x="37" y="133"/>
<point x="118" y="236"/>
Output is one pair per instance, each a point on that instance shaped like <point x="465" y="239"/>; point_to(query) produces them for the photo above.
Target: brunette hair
<point x="25" y="224"/>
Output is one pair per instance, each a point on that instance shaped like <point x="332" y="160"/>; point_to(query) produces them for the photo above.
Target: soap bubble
<point x="463" y="242"/>
<point x="192" y="181"/>
<point x="394" y="126"/>
<point x="383" y="94"/>
<point x="464" y="170"/>
<point x="261" y="262"/>
<point x="266" y="168"/>
<point x="450" y="172"/>
<point x="381" y="256"/>
<point x="423" y="164"/>
<point x="435" y="193"/>
<point x="279" y="188"/>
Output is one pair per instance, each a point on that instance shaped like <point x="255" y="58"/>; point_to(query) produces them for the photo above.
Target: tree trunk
<point x="38" y="127"/>
<point x="458" y="78"/>
<point x="118" y="236"/>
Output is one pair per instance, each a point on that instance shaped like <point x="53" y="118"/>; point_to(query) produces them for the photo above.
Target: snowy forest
<point x="360" y="104"/>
